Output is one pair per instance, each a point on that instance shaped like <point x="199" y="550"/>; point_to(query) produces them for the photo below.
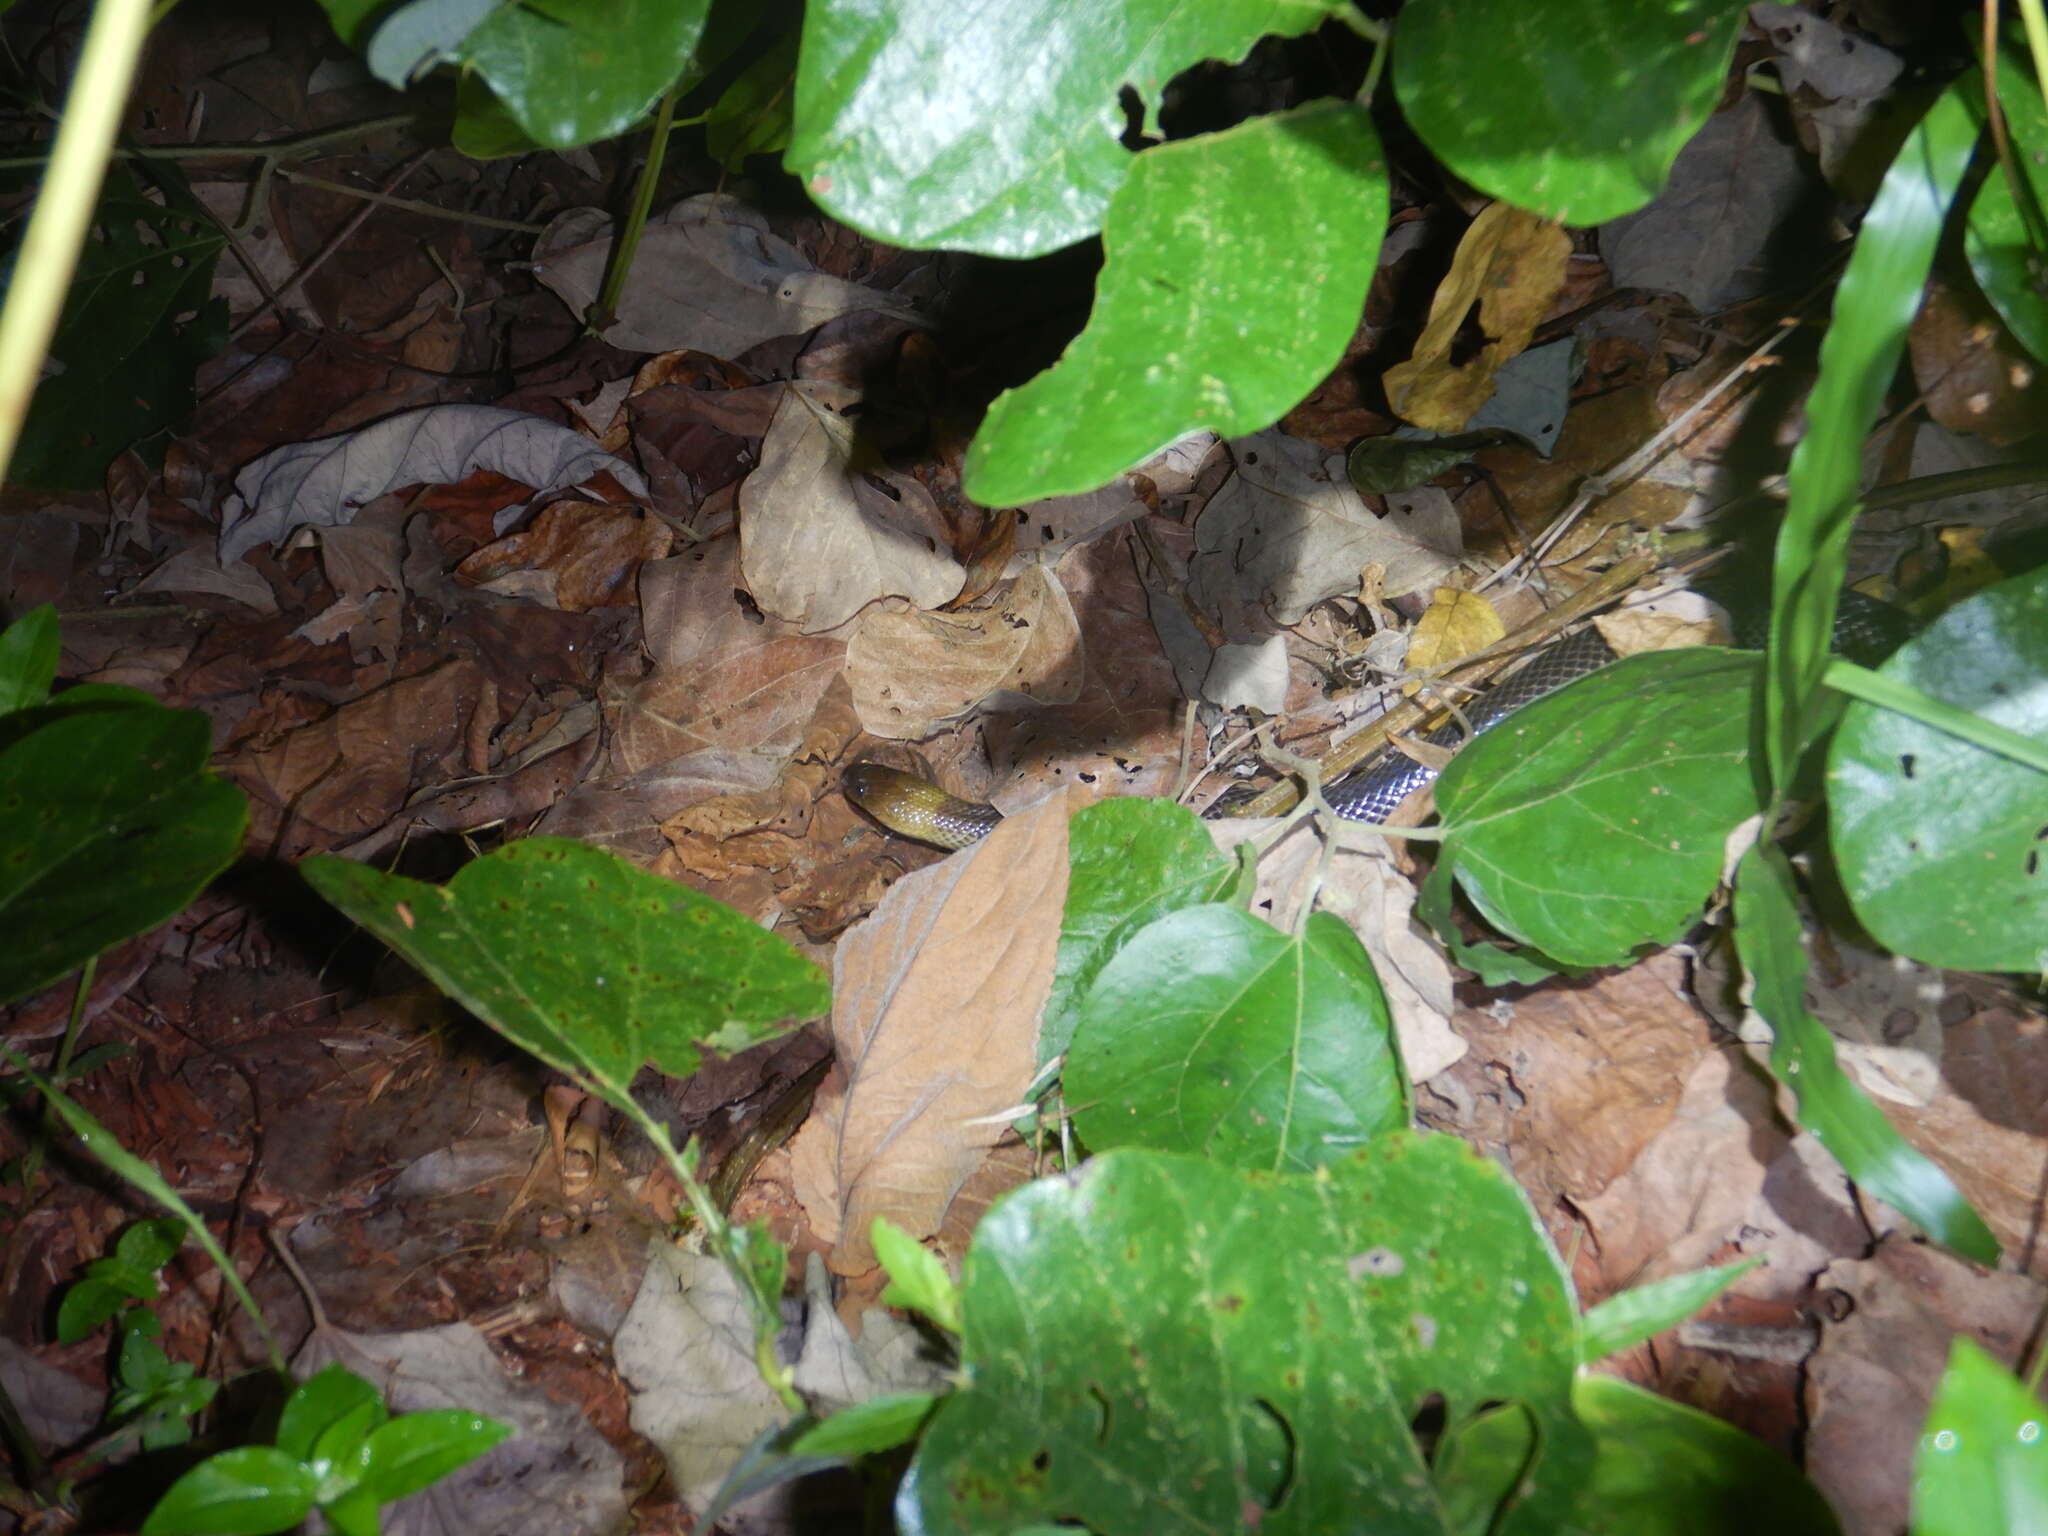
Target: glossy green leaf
<point x="1943" y="846"/>
<point x="1572" y="108"/>
<point x="149" y="1245"/>
<point x="1831" y="1106"/>
<point x="417" y="1450"/>
<point x="918" y="1280"/>
<point x="483" y="128"/>
<point x="996" y="128"/>
<point x="575" y="71"/>
<point x="1157" y="1343"/>
<point x="1594" y="821"/>
<point x="1982" y="1465"/>
<point x="29" y="648"/>
<point x="1234" y="270"/>
<point x="1213" y="1032"/>
<point x="89" y="1304"/>
<point x="351" y="18"/>
<point x="109" y="825"/>
<point x="2003" y="244"/>
<point x="249" y="1491"/>
<point x="329" y="1415"/>
<point x="879" y="1424"/>
<point x="1129" y="861"/>
<point x="1874" y="304"/>
<point x="1664" y="1469"/>
<point x="592" y="964"/>
<point x="1624" y="1320"/>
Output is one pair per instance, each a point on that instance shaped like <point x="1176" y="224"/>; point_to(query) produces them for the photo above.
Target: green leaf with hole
<point x="1572" y="108"/>
<point x="1234" y="269"/>
<point x="109" y="825"/>
<point x="1213" y="1032"/>
<point x="1942" y="845"/>
<point x="591" y="963"/>
<point x="1983" y="1458"/>
<point x="1158" y="1343"/>
<point x="1593" y="822"/>
<point x="1838" y="1113"/>
<point x="996" y="128"/>
<point x="574" y="71"/>
<point x="1129" y="861"/>
<point x="248" y="1491"/>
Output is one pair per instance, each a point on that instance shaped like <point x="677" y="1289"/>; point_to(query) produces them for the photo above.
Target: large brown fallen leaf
<point x="911" y="671"/>
<point x="935" y="1004"/>
<point x="818" y="541"/>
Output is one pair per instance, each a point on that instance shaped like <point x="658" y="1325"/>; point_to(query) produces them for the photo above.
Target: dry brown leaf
<point x="817" y="541"/>
<point x="1870" y="1382"/>
<point x="578" y="555"/>
<point x="1510" y="264"/>
<point x="936" y="998"/>
<point x="910" y="671"/>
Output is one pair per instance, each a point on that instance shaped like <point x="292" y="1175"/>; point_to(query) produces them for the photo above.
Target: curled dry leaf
<point x="817" y="541"/>
<point x="578" y="555"/>
<point x="936" y="998"/>
<point x="912" y="670"/>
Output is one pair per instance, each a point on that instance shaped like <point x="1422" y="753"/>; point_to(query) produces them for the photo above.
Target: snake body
<point x="1866" y="630"/>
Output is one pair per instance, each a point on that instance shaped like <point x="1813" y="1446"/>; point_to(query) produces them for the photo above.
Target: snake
<point x="1866" y="631"/>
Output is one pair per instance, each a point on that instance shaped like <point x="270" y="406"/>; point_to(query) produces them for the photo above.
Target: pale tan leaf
<point x="936" y="998"/>
<point x="819" y="544"/>
<point x="912" y="670"/>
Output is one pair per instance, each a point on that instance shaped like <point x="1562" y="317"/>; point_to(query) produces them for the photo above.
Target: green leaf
<point x="1572" y="108"/>
<point x="1493" y="965"/>
<point x="351" y="18"/>
<point x="1234" y="269"/>
<point x="249" y="1491"/>
<point x="417" y="1450"/>
<point x="29" y="649"/>
<point x="918" y="1280"/>
<point x="1212" y="1032"/>
<point x="879" y="1424"/>
<point x="109" y="825"/>
<point x="137" y="324"/>
<point x="334" y="1400"/>
<point x="753" y="115"/>
<point x="483" y="128"/>
<point x="147" y="1246"/>
<point x="1943" y="846"/>
<point x="581" y="70"/>
<point x="592" y="964"/>
<point x="1624" y="1320"/>
<point x="1841" y="1117"/>
<point x="1160" y="1344"/>
<point x="1982" y="1465"/>
<point x="2003" y="244"/>
<point x="1874" y="304"/>
<point x="1129" y="861"/>
<point x="1595" y="820"/>
<point x="996" y="128"/>
<point x="90" y="1303"/>
<point x="1668" y="1470"/>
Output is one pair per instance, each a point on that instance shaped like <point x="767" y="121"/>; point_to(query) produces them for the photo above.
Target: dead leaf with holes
<point x="911" y="671"/>
<point x="935" y="1005"/>
<point x="1510" y="264"/>
<point x="818" y="540"/>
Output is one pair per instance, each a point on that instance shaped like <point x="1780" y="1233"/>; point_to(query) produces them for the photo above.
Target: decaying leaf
<point x="817" y="541"/>
<point x="578" y="555"/>
<point x="912" y="670"/>
<point x="1510" y="264"/>
<point x="935" y="1004"/>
